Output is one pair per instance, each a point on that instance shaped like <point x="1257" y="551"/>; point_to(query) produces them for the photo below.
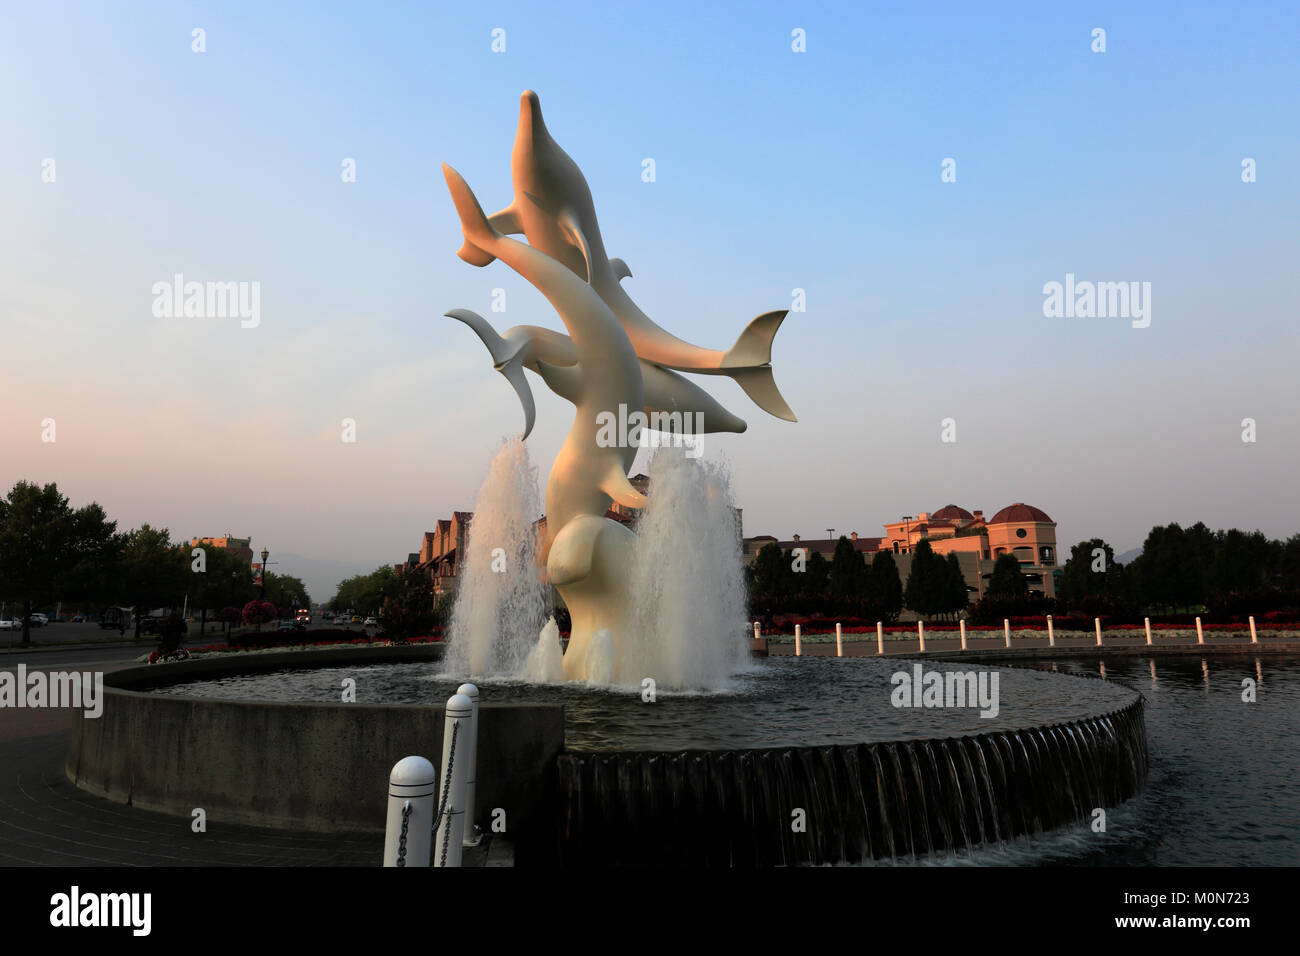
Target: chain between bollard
<point x="401" y="843"/>
<point x="446" y="786"/>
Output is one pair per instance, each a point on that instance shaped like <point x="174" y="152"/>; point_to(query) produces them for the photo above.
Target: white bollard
<point x="1006" y="629"/>
<point x="1200" y="634"/>
<point x="472" y="836"/>
<point x="1254" y="638"/>
<point x="412" y="793"/>
<point x="798" y="641"/>
<point x="1051" y="635"/>
<point x="1097" y="623"/>
<point x="920" y="632"/>
<point x="449" y="838"/>
<point x="839" y="642"/>
<point x="962" y="623"/>
<point x="1148" y="620"/>
<point x="757" y="631"/>
<point x="880" y="636"/>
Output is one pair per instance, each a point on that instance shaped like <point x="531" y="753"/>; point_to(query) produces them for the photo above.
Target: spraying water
<point x="687" y="622"/>
<point x="545" y="663"/>
<point x="687" y="579"/>
<point x="501" y="601"/>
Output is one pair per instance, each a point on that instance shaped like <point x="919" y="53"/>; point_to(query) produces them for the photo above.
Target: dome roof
<point x="952" y="512"/>
<point x="1020" y="513"/>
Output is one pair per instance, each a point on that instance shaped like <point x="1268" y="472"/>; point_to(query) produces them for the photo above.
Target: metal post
<point x="1254" y="638"/>
<point x="1051" y="635"/>
<point x="472" y="835"/>
<point x="962" y="624"/>
<point x="920" y="632"/>
<point x="880" y="636"/>
<point x="1148" y="623"/>
<point x="450" y="836"/>
<point x="1006" y="629"/>
<point x="1200" y="635"/>
<point x="798" y="642"/>
<point x="1097" y="623"/>
<point x="839" y="641"/>
<point x="412" y="793"/>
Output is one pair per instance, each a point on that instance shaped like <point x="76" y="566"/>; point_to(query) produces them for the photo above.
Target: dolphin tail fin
<point x="506" y="359"/>
<point x="616" y="485"/>
<point x="760" y="386"/>
<point x="473" y="222"/>
<point x="749" y="363"/>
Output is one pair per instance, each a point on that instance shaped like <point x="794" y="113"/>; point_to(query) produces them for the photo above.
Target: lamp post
<point x="907" y="521"/>
<point x="265" y="554"/>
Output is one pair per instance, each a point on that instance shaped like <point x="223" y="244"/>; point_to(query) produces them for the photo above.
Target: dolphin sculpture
<point x="586" y="554"/>
<point x="551" y="355"/>
<point x="553" y="209"/>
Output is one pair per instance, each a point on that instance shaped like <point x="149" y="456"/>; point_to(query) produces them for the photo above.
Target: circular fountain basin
<point x="779" y="702"/>
<point x="797" y="761"/>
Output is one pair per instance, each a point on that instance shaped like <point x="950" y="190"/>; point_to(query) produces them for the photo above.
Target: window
<point x="1021" y="532"/>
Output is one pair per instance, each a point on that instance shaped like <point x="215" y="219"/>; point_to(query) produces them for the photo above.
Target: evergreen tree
<point x="1007" y="579"/>
<point x="927" y="589"/>
<point x="886" y="586"/>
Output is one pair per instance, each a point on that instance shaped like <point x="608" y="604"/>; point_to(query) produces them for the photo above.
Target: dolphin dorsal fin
<point x="569" y="223"/>
<point x="506" y="221"/>
<point x="621" y="271"/>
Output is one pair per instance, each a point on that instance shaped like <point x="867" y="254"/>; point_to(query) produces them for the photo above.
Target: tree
<point x="155" y="573"/>
<point x="1173" y="566"/>
<point x="848" y="573"/>
<point x="816" y="576"/>
<point x="412" y="610"/>
<point x="957" y="597"/>
<point x="47" y="548"/>
<point x="285" y="590"/>
<point x="226" y="582"/>
<point x="927" y="591"/>
<point x="1007" y="580"/>
<point x="1091" y="572"/>
<point x="886" y="586"/>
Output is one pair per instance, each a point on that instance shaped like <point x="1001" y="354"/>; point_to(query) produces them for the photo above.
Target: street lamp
<point x="907" y="519"/>
<point x="265" y="554"/>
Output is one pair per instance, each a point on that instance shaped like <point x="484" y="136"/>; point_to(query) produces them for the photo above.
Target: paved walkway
<point x="46" y="821"/>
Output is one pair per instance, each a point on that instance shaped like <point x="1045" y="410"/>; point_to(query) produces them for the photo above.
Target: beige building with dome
<point x="1021" y="530"/>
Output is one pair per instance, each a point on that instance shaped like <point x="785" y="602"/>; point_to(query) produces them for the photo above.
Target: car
<point x="6" y="624"/>
<point x="370" y="622"/>
<point x="356" y="619"/>
<point x="286" y="626"/>
<point x="77" y="619"/>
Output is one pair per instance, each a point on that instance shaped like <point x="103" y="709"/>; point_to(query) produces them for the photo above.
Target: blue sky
<point x="775" y="170"/>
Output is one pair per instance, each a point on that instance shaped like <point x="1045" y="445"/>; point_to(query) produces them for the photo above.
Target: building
<point x="240" y="546"/>
<point x="1021" y="530"/>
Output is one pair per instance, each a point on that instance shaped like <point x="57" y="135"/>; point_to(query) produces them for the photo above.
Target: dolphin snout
<point x="530" y="115"/>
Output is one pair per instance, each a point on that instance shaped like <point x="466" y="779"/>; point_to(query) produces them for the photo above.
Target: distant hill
<point x="321" y="576"/>
<point x="1127" y="556"/>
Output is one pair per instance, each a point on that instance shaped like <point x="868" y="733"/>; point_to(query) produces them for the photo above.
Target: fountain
<point x="618" y="368"/>
<point x="651" y="739"/>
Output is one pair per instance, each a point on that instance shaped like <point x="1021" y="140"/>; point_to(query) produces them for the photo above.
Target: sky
<point x="775" y="170"/>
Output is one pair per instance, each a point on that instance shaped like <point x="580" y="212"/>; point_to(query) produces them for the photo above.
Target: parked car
<point x="7" y="624"/>
<point x="38" y="616"/>
<point x="286" y="626"/>
<point x="370" y="622"/>
<point x="77" y="619"/>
